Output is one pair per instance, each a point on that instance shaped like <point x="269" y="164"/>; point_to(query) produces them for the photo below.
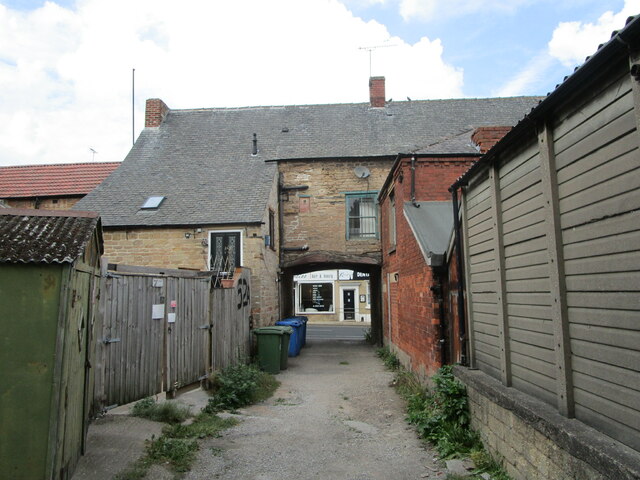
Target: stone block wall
<point x="61" y="203"/>
<point x="316" y="216"/>
<point x="169" y="248"/>
<point x="534" y="442"/>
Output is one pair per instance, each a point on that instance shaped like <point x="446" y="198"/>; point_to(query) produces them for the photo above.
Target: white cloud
<point x="572" y="42"/>
<point x="531" y="75"/>
<point x="427" y="10"/>
<point x="65" y="75"/>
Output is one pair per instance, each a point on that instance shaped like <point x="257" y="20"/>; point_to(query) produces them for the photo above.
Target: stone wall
<point x="61" y="203"/>
<point x="169" y="248"/>
<point x="316" y="216"/>
<point x="535" y="442"/>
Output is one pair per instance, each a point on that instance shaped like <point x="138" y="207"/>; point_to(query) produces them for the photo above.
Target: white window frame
<point x="298" y="297"/>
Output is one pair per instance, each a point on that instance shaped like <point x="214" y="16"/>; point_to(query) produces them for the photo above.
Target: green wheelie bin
<point x="269" y="348"/>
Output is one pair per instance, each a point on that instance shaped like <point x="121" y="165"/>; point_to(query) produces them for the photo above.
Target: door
<point x="349" y="304"/>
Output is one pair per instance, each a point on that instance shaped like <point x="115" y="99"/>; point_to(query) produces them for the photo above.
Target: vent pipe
<point x="254" y="149"/>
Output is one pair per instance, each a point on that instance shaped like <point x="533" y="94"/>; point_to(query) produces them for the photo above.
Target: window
<point x="272" y="230"/>
<point x="316" y="297"/>
<point x="225" y="251"/>
<point x="392" y="221"/>
<point x="152" y="203"/>
<point x="362" y="216"/>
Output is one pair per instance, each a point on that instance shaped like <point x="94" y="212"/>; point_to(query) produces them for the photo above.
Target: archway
<point x="318" y="261"/>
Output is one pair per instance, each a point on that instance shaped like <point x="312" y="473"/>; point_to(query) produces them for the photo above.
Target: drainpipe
<point x="280" y="243"/>
<point x="413" y="183"/>
<point x="461" y="315"/>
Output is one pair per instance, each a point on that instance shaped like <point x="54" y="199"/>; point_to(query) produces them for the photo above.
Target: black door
<point x="225" y="251"/>
<point x="349" y="304"/>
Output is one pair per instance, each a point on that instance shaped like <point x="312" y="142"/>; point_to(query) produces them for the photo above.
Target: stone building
<point x="295" y="186"/>
<point x="50" y="187"/>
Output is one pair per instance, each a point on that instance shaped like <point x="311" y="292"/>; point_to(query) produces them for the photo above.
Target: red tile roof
<point x="53" y="180"/>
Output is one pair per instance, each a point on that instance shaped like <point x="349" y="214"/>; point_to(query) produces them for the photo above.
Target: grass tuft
<point x="166" y="412"/>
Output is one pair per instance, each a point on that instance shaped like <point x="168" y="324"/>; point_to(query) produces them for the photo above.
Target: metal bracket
<point x="109" y="340"/>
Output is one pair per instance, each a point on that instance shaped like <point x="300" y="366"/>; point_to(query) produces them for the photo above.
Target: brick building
<point x="50" y="187"/>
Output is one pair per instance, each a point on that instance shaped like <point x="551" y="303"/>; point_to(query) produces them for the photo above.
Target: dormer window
<point x="152" y="203"/>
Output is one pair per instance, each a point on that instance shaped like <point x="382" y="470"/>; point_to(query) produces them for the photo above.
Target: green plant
<point x="179" y="453"/>
<point x="390" y="359"/>
<point x="166" y="412"/>
<point x="368" y="336"/>
<point x="344" y="363"/>
<point x="239" y="385"/>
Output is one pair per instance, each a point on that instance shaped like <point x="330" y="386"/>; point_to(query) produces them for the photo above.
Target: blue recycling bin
<point x="304" y="320"/>
<point x="295" y="342"/>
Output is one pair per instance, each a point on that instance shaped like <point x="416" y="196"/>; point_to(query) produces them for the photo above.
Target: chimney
<point x="376" y="91"/>
<point x="155" y="112"/>
<point x="486" y="137"/>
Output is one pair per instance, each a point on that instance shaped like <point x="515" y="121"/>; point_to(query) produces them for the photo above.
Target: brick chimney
<point x="155" y="112"/>
<point x="376" y="91"/>
<point x="486" y="137"/>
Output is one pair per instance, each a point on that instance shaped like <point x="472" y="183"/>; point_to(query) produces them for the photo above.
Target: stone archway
<point x="324" y="260"/>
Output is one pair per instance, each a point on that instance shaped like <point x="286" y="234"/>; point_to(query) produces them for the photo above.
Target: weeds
<point x="177" y="446"/>
<point x="368" y="336"/>
<point x="239" y="385"/>
<point x="391" y="361"/>
<point x="441" y="415"/>
<point x="166" y="412"/>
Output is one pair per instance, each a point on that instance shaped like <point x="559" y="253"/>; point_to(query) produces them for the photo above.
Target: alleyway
<point x="334" y="417"/>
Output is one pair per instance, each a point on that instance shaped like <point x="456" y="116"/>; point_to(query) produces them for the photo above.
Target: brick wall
<point x="155" y="112"/>
<point x="413" y="327"/>
<point x="486" y="137"/>
<point x="62" y="203"/>
<point x="317" y="216"/>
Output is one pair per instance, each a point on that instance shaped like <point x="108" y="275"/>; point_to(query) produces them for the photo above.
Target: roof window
<point x="152" y="203"/>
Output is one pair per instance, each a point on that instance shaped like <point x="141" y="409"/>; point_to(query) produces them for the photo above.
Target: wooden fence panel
<point x="568" y="214"/>
<point x="195" y="329"/>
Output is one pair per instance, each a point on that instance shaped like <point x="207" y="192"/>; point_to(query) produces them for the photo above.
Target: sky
<point x="66" y="66"/>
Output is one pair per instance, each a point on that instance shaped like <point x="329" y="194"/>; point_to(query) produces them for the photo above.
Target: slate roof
<point x="432" y="225"/>
<point x="67" y="179"/>
<point x="44" y="236"/>
<point x="201" y="159"/>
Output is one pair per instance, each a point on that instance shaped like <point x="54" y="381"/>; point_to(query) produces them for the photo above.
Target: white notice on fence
<point x="171" y="318"/>
<point x="157" y="313"/>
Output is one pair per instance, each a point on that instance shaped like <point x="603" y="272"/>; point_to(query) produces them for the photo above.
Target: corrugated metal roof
<point x="432" y="224"/>
<point x="44" y="236"/>
<point x="53" y="180"/>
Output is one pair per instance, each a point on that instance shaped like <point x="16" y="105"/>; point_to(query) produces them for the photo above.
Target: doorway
<point x="349" y="310"/>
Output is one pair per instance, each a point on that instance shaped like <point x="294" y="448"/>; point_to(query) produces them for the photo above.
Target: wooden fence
<point x="552" y="253"/>
<point x="159" y="330"/>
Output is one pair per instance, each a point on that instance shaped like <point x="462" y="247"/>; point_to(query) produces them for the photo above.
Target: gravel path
<point x="334" y="417"/>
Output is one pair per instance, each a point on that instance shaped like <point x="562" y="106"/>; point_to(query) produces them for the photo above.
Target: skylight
<point x="152" y="203"/>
